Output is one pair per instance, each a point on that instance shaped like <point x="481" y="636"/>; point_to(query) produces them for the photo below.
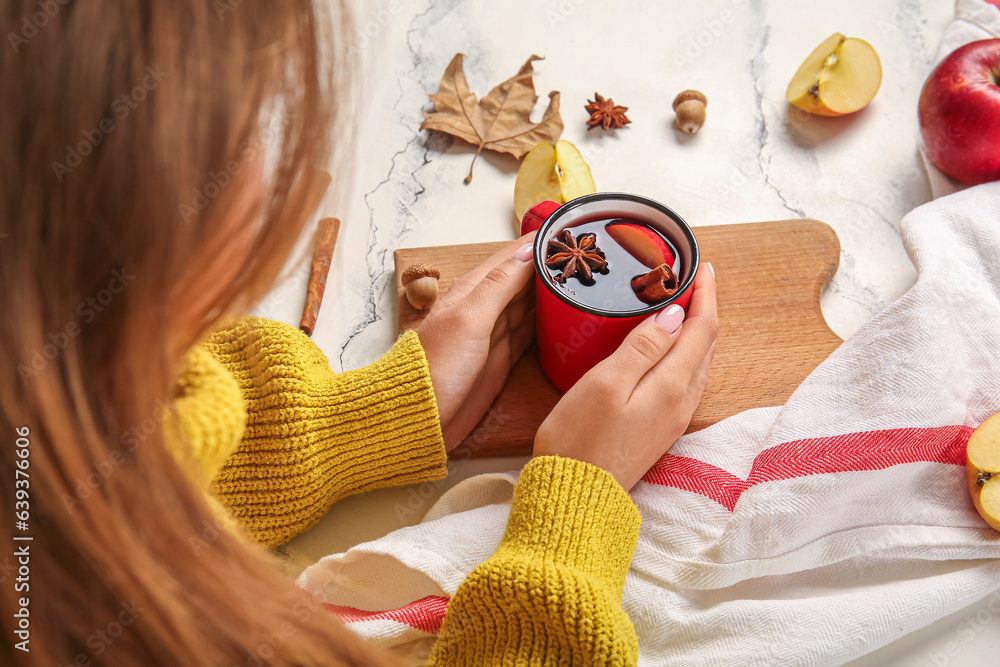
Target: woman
<point x="129" y="390"/>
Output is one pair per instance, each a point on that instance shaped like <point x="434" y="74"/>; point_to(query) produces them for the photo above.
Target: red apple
<point x="642" y="243"/>
<point x="959" y="113"/>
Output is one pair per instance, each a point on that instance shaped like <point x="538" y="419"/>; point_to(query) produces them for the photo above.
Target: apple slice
<point x="641" y="242"/>
<point x="555" y="172"/>
<point x="983" y="465"/>
<point x="841" y="76"/>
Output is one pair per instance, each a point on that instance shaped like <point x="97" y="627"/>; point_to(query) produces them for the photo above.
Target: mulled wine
<point x="612" y="264"/>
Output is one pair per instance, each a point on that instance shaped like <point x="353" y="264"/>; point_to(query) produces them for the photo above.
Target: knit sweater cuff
<point x="575" y="514"/>
<point x="391" y="405"/>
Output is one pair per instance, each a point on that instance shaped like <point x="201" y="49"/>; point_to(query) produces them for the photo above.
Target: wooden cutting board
<point x="771" y="335"/>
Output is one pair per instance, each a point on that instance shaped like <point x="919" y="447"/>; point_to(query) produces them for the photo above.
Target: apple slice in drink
<point x="641" y="242"/>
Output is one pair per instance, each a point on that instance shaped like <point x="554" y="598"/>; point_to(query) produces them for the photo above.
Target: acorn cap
<point x="690" y="95"/>
<point x="421" y="270"/>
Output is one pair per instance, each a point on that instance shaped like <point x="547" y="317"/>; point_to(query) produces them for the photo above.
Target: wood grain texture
<point x="771" y="335"/>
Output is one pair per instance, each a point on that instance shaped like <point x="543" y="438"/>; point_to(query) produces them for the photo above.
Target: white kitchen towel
<point x="974" y="19"/>
<point x="807" y="534"/>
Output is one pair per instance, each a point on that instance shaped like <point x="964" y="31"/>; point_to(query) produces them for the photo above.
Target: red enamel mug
<point x="572" y="337"/>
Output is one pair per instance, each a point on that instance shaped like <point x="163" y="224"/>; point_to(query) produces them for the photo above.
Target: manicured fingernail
<point x="524" y="252"/>
<point x="670" y="318"/>
<point x="711" y="268"/>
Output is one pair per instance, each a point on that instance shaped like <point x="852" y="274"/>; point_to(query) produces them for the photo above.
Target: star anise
<point x="578" y="257"/>
<point x="603" y="112"/>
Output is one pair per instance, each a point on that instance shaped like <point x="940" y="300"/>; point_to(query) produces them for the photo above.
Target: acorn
<point x="690" y="108"/>
<point x="421" y="284"/>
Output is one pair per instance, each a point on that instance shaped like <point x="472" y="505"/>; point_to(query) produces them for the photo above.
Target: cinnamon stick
<point x="323" y="246"/>
<point x="655" y="286"/>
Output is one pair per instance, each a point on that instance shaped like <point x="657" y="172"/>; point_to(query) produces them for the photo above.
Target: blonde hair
<point x="125" y="127"/>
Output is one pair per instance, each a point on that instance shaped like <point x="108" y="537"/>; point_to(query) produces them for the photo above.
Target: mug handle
<point x="536" y="215"/>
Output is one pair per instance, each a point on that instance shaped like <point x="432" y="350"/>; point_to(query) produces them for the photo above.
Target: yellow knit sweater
<point x="282" y="437"/>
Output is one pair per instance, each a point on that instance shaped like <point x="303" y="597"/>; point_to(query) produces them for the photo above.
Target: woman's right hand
<point x="627" y="411"/>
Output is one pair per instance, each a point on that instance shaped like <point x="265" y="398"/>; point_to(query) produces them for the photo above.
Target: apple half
<point x="983" y="467"/>
<point x="839" y="77"/>
<point x="555" y="172"/>
<point x="641" y="242"/>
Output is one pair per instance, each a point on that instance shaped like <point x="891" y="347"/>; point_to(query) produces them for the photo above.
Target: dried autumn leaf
<point x="500" y="121"/>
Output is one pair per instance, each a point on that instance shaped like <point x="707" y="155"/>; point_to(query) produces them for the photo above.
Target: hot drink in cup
<point x="603" y="263"/>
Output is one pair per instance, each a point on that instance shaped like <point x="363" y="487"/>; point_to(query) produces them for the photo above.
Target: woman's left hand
<point x="475" y="333"/>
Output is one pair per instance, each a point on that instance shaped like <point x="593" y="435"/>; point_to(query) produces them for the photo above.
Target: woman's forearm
<point x="314" y="436"/>
<point x="551" y="593"/>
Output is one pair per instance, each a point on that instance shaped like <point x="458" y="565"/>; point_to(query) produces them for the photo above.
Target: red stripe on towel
<point x="425" y="614"/>
<point x="698" y="477"/>
<point x="870" y="450"/>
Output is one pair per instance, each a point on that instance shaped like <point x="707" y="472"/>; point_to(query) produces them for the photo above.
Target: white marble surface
<point x="757" y="158"/>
